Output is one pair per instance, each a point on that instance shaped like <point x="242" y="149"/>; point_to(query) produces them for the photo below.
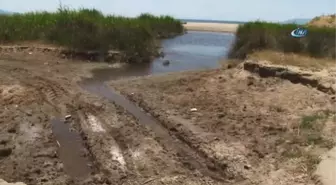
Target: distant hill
<point x="4" y="12"/>
<point x="296" y="21"/>
<point x="324" y="21"/>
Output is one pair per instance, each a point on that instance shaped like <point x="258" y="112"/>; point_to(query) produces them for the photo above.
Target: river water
<point x="191" y="51"/>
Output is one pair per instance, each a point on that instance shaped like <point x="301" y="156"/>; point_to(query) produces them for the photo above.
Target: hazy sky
<point x="239" y="10"/>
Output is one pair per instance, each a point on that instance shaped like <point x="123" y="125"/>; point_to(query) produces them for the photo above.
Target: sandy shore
<point x="215" y="27"/>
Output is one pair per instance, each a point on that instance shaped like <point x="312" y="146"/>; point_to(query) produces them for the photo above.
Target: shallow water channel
<point x="194" y="50"/>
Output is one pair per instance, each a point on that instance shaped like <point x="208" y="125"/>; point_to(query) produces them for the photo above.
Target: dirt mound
<point x="324" y="21"/>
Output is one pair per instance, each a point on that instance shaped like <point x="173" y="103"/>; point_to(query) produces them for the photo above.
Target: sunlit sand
<point x="215" y="27"/>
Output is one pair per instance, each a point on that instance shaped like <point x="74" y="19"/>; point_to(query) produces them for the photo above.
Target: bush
<point x="89" y="29"/>
<point x="252" y="36"/>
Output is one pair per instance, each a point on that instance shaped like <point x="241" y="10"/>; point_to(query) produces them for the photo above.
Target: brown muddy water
<point x="194" y="50"/>
<point x="70" y="150"/>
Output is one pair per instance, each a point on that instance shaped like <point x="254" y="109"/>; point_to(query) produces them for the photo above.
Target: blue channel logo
<point x="299" y="32"/>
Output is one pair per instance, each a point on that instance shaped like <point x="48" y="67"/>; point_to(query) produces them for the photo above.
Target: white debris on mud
<point x="67" y="117"/>
<point x="118" y="156"/>
<point x="95" y="124"/>
<point x="193" y="110"/>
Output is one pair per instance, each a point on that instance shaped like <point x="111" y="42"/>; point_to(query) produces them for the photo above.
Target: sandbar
<point x="213" y="27"/>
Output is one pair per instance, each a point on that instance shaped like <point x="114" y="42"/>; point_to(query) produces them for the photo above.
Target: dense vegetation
<point x="89" y="29"/>
<point x="320" y="41"/>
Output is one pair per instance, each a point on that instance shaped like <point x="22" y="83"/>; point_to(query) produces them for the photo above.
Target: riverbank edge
<point x="111" y="56"/>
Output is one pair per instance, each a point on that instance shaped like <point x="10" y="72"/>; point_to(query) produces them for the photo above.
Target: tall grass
<point x="162" y="26"/>
<point x="320" y="42"/>
<point x="89" y="29"/>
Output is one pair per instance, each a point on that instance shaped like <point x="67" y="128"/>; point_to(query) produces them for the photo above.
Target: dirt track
<point x="246" y="130"/>
<point x="37" y="87"/>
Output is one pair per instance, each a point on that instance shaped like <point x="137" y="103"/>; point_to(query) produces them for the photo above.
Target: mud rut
<point x="55" y="95"/>
<point x="189" y="157"/>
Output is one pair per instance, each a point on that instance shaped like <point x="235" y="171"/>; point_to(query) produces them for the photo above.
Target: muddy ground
<point x="113" y="148"/>
<point x="246" y="129"/>
<point x="260" y="123"/>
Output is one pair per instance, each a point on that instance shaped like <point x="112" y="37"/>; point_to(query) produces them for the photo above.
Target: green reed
<point x="252" y="36"/>
<point x="89" y="29"/>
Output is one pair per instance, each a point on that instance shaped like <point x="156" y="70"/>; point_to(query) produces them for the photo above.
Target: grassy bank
<point x="89" y="29"/>
<point x="320" y="41"/>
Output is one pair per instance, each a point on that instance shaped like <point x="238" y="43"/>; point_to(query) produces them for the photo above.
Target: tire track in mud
<point x="72" y="151"/>
<point x="186" y="155"/>
<point x="52" y="91"/>
<point x="57" y="96"/>
<point x="49" y="90"/>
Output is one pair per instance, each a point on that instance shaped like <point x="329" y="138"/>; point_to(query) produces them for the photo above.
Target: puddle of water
<point x="71" y="150"/>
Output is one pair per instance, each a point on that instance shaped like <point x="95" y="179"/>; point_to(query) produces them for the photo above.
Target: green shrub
<point x="320" y="42"/>
<point x="89" y="29"/>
